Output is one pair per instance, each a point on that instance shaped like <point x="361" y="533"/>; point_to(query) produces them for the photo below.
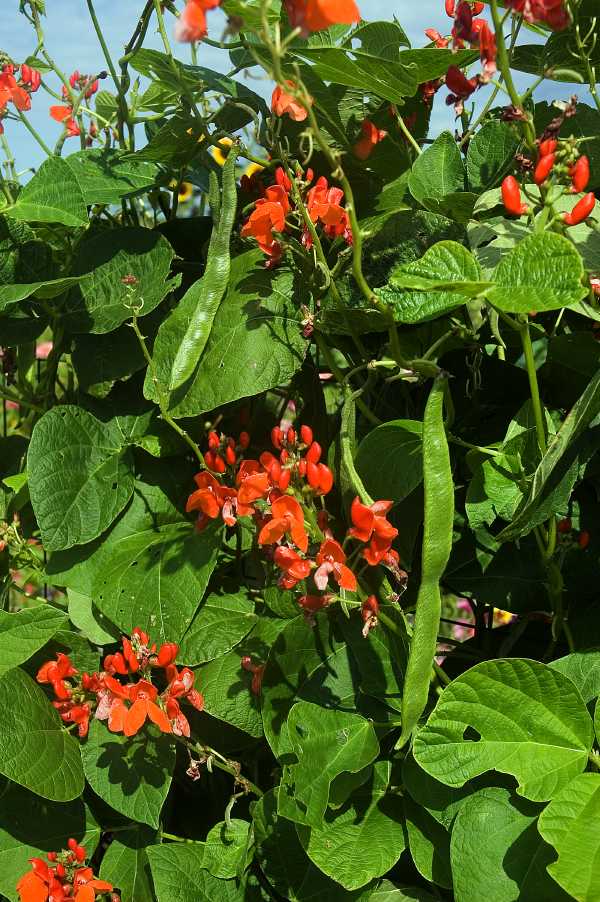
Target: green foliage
<point x="299" y="474"/>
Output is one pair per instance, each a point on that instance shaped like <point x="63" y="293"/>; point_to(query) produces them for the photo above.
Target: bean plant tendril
<point x="299" y="474"/>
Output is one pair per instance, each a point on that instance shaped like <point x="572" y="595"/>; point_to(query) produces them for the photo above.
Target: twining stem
<point x="339" y="376"/>
<point x="111" y="68"/>
<point x="217" y="760"/>
<point x="162" y="398"/>
<point x="584" y="54"/>
<point x="534" y="388"/>
<point x="166" y="44"/>
<point x="504" y="66"/>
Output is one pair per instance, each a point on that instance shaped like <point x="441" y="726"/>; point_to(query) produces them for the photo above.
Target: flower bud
<point x="544" y="168"/>
<point x="230" y="456"/>
<point x="306" y="434"/>
<point x="213" y="441"/>
<point x="511" y="196"/>
<point x="276" y="437"/>
<point x="219" y="464"/>
<point x="314" y="453"/>
<point x="291" y="436"/>
<point x="312" y="475"/>
<point x="284" y="479"/>
<point x="580" y="174"/>
<point x="581" y="210"/>
<point x="325" y="479"/>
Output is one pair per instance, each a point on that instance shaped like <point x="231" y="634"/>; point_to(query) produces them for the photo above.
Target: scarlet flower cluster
<point x="269" y="219"/>
<point x="64" y="112"/>
<point x="561" y="162"/>
<point x="467" y="29"/>
<point x="125" y="705"/>
<point x="17" y="92"/>
<point x="280" y="493"/>
<point x="65" y="878"/>
<point x="547" y="12"/>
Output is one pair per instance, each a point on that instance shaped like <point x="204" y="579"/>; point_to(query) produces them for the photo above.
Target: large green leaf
<point x="571" y="823"/>
<point x="80" y="476"/>
<point x="515" y="716"/>
<point x="259" y="321"/>
<point x="326" y="743"/>
<point x="30" y="827"/>
<point x="22" y="634"/>
<point x="35" y="749"/>
<point x="400" y="444"/>
<point x="338" y="846"/>
<point x="382" y="660"/>
<point x="429" y="844"/>
<point x="226" y="686"/>
<point x="52" y="195"/>
<point x="446" y="277"/>
<point x="438" y="172"/>
<point x="521" y="282"/>
<point x="220" y="623"/>
<point x="286" y="865"/>
<point x="548" y="472"/>
<point x="104" y="176"/>
<point x="150" y="570"/>
<point x="125" y="864"/>
<point x="131" y="774"/>
<point x="511" y="858"/>
<point x="87" y="618"/>
<point x="179" y="875"/>
<point x="583" y="669"/>
<point x="101" y="302"/>
<point x="491" y="154"/>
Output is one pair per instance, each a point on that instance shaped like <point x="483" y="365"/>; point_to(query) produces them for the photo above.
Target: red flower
<point x="130" y="720"/>
<point x="436" y="38"/>
<point x="191" y="25"/>
<point x="330" y="560"/>
<point x="315" y="15"/>
<point x="461" y="87"/>
<point x="312" y="604"/>
<point x="552" y="12"/>
<point x="10" y="91"/>
<point x="287" y="518"/>
<point x="268" y="217"/>
<point x="181" y="685"/>
<point x="65" y="114"/>
<point x="371" y="136"/>
<point x="167" y="654"/>
<point x="282" y="102"/>
<point x="293" y="566"/>
<point x="323" y="204"/>
<point x="205" y="499"/>
<point x="257" y="671"/>
<point x="369" y="612"/>
<point x="371" y="519"/>
<point x="55" y="673"/>
<point x="86" y="885"/>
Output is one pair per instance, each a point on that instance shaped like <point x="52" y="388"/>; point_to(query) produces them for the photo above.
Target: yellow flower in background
<point x="184" y="192"/>
<point x="502" y="618"/>
<point x="219" y="156"/>
<point x="252" y="169"/>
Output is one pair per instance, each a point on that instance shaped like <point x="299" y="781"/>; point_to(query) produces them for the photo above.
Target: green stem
<point x="329" y="359"/>
<point x="112" y="70"/>
<point x="407" y="134"/>
<point x="34" y="133"/>
<point x="504" y="66"/>
<point x="540" y="425"/>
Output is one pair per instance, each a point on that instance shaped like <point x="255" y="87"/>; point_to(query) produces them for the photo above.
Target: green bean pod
<point x="437" y="545"/>
<point x="213" y="284"/>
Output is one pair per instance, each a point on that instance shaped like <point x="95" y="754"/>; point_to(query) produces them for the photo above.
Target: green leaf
<point x="12" y="294"/>
<point x="286" y="865"/>
<point x="494" y="491"/>
<point x="35" y="750"/>
<point x="150" y="570"/>
<point x="52" y="195"/>
<point x="131" y="774"/>
<point x="259" y="320"/>
<point x="511" y="857"/>
<point x="102" y="302"/>
<point x="220" y="623"/>
<point x="382" y="660"/>
<point x="80" y="476"/>
<point x="90" y="621"/>
<point x="438" y="172"/>
<point x="125" y="864"/>
<point x="226" y="687"/>
<point x="200" y="304"/>
<point x="429" y="844"/>
<point x="520" y="718"/>
<point x="491" y="155"/>
<point x="179" y="876"/>
<point x="30" y="827"/>
<point x="173" y="144"/>
<point x="387" y="892"/>
<point x="446" y="277"/>
<point x="583" y="669"/>
<point x="106" y="175"/>
<point x="339" y="847"/>
<point x="22" y="634"/>
<point x="545" y="478"/>
<point x="571" y="823"/>
<point x="226" y="848"/>
<point x="521" y="278"/>
<point x="309" y="663"/>
<point x="400" y="444"/>
<point x="326" y="744"/>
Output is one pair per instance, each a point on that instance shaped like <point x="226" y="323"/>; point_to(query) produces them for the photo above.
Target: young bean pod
<point x="437" y="544"/>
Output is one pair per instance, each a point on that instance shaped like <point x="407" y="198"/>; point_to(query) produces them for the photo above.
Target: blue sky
<point x="72" y="42"/>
